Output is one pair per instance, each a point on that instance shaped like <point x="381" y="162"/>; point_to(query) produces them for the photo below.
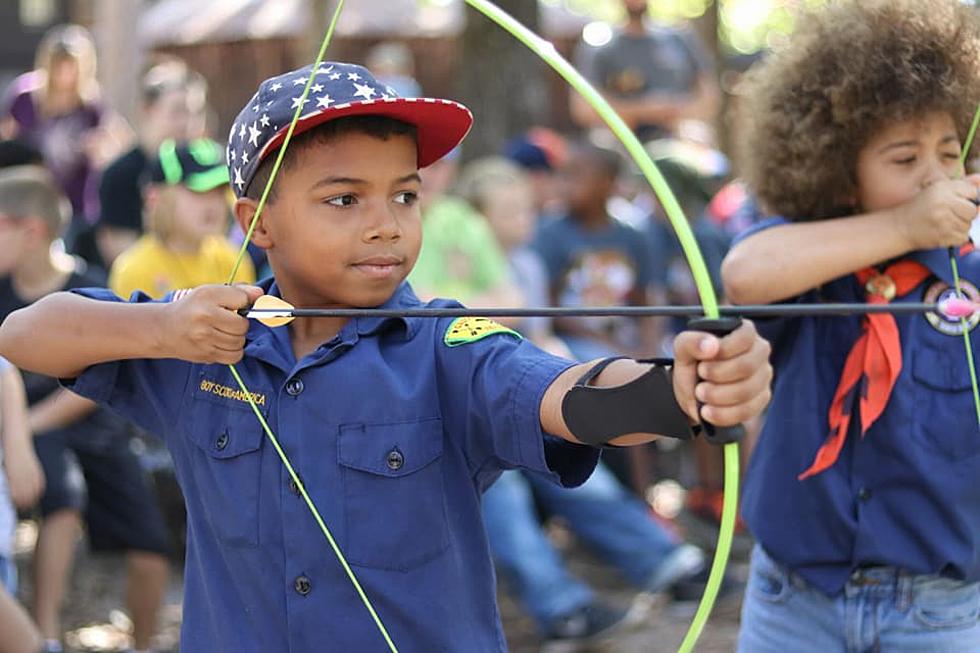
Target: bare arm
<point x="24" y="475"/>
<point x="59" y="409"/>
<point x="735" y="386"/>
<point x="790" y="259"/>
<point x="63" y="333"/>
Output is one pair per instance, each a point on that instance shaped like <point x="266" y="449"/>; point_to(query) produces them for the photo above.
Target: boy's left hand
<point x="731" y="376"/>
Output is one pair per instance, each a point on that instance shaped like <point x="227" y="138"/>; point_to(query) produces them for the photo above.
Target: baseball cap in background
<point x="538" y="149"/>
<point x="198" y="165"/>
<point x="338" y="90"/>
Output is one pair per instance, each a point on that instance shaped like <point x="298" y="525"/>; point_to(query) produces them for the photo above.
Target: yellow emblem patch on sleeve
<point x="470" y="329"/>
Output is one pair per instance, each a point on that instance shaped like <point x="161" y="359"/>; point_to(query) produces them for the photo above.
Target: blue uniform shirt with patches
<point x="907" y="494"/>
<point x="393" y="433"/>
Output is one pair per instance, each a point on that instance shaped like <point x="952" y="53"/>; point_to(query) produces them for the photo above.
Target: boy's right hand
<point x="204" y="325"/>
<point x="941" y="215"/>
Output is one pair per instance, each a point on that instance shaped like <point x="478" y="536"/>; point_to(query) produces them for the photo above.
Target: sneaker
<point x="683" y="562"/>
<point x="588" y="624"/>
<point x="692" y="587"/>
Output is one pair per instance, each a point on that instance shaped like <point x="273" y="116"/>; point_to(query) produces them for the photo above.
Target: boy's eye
<point x="407" y="197"/>
<point x="906" y="160"/>
<point x="343" y="200"/>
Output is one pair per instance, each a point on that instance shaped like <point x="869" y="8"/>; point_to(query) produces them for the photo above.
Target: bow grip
<point x="720" y="326"/>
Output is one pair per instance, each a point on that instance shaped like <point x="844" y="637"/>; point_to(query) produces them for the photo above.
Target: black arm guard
<point x="644" y="405"/>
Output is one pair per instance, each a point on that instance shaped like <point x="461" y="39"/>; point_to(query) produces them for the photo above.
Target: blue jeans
<point x="8" y="575"/>
<point x="881" y="609"/>
<point x="602" y="513"/>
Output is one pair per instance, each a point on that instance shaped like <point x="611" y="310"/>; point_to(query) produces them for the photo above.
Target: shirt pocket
<point x="944" y="416"/>
<point x="394" y="497"/>
<point x="225" y="469"/>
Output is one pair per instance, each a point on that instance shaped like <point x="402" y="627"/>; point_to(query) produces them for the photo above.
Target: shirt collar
<point x="272" y="344"/>
<point x="937" y="260"/>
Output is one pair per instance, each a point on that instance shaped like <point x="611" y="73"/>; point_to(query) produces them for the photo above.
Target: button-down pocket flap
<point x="941" y="369"/>
<point x="391" y="450"/>
<point x="230" y="435"/>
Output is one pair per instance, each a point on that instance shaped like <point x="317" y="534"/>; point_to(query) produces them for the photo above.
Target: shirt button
<point x="864" y="494"/>
<point x="395" y="460"/>
<point x="294" y="387"/>
<point x="302" y="585"/>
<point x="221" y="442"/>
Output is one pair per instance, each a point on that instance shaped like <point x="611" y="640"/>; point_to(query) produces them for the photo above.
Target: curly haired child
<point x="862" y="493"/>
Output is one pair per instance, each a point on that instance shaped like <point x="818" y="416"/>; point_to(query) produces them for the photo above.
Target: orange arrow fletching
<point x="275" y="311"/>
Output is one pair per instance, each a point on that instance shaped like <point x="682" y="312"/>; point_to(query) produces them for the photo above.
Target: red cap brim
<point x="441" y="124"/>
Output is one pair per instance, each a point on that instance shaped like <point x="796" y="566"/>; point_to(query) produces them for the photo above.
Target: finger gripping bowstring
<point x="241" y="384"/>
<point x="546" y="51"/>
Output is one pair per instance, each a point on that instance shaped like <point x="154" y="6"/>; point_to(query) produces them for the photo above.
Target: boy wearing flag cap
<point x="862" y="492"/>
<point x="394" y="425"/>
<point x="186" y="222"/>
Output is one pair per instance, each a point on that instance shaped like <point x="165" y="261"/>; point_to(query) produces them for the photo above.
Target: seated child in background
<point x="89" y="467"/>
<point x="394" y="425"/>
<point x="186" y="222"/>
<point x="862" y="492"/>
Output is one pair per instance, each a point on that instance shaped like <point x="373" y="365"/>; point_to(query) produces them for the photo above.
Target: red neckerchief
<point x="874" y="362"/>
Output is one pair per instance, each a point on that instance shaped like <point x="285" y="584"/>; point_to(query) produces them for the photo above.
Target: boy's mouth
<point x="378" y="267"/>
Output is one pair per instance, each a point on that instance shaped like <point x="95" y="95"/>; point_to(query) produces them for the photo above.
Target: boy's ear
<point x="244" y="210"/>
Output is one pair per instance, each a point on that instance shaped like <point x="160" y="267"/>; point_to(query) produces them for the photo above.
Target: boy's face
<point x="510" y="212"/>
<point x="21" y="239"/>
<point x="906" y="157"/>
<point x="585" y="186"/>
<point x="345" y="228"/>
<point x="198" y="215"/>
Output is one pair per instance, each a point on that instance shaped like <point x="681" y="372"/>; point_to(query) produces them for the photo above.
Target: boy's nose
<point x="936" y="171"/>
<point x="384" y="225"/>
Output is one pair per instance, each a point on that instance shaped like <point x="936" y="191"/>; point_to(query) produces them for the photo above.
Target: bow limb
<point x="546" y="51"/>
<point x="241" y="383"/>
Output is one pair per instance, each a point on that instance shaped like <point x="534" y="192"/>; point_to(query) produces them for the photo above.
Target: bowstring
<point x="967" y="344"/>
<point x="241" y="383"/>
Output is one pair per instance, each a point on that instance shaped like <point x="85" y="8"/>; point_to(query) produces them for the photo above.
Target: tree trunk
<point x="500" y="80"/>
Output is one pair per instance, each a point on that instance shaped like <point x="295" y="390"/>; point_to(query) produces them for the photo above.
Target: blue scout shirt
<point x="908" y="493"/>
<point x="395" y="435"/>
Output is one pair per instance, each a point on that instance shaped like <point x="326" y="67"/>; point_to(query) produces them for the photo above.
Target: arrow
<point x="275" y="312"/>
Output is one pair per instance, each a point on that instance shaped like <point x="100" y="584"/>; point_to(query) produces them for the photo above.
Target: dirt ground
<point x="95" y="618"/>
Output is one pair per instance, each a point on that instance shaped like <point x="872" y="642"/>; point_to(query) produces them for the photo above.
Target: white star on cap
<point x="253" y="135"/>
<point x="244" y="157"/>
<point x="353" y="77"/>
<point x="296" y="101"/>
<point x="324" y="101"/>
<point x="241" y="130"/>
<point x="334" y="76"/>
<point x="316" y="88"/>
<point x="264" y="120"/>
<point x="299" y="81"/>
<point x="231" y="155"/>
<point x="238" y="179"/>
<point x="275" y="87"/>
<point x="255" y="108"/>
<point x="364" y="91"/>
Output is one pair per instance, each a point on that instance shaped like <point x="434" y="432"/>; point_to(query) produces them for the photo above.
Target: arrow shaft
<point x="771" y="310"/>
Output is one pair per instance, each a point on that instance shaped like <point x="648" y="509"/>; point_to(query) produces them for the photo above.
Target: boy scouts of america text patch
<point x="940" y="291"/>
<point x="470" y="329"/>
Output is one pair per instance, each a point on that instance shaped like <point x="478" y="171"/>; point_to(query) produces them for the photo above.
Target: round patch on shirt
<point x="940" y="291"/>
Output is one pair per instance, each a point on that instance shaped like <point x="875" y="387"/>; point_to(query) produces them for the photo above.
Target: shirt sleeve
<point x="147" y="392"/>
<point x="491" y="391"/>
